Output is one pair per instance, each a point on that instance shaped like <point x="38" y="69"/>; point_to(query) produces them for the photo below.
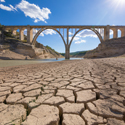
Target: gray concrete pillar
<point x="115" y="33"/>
<point x="29" y="34"/>
<point x="21" y="34"/>
<point x="106" y="32"/>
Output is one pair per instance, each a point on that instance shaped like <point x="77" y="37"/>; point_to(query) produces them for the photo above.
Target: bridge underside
<point x="103" y="33"/>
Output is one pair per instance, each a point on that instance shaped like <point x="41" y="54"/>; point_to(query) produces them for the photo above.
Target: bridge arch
<point x="95" y="31"/>
<point x="41" y="30"/>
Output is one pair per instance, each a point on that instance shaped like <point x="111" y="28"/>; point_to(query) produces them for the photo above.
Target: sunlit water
<point x="6" y="63"/>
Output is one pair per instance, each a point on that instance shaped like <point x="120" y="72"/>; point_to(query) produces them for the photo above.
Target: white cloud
<point x="46" y="32"/>
<point x="70" y="33"/>
<point x="75" y="38"/>
<point x="2" y="0"/>
<point x="34" y="11"/>
<point x="111" y="32"/>
<point x="87" y="33"/>
<point x="49" y="32"/>
<point x="81" y="41"/>
<point x="12" y="7"/>
<point x="8" y="8"/>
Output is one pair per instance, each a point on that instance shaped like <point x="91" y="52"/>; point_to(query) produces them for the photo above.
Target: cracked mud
<point x="78" y="92"/>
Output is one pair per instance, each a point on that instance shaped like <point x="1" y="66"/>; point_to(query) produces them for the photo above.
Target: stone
<point x="4" y="89"/>
<point x="72" y="108"/>
<point x="73" y="88"/>
<point x="42" y="98"/>
<point x="48" y="91"/>
<point x="67" y="94"/>
<point x="2" y="99"/>
<point x="92" y="119"/>
<point x="117" y="98"/>
<point x="77" y="80"/>
<point x="43" y="115"/>
<point x="86" y="85"/>
<point x="3" y="107"/>
<point x="26" y="101"/>
<point x="14" y="84"/>
<point x="33" y="93"/>
<point x="28" y="83"/>
<point x="54" y="100"/>
<point x="122" y="93"/>
<point x="106" y="93"/>
<point x="121" y="84"/>
<point x="12" y="114"/>
<point x="58" y="85"/>
<point x="4" y="93"/>
<point x="19" y="88"/>
<point x="113" y="121"/>
<point x="31" y="87"/>
<point x="49" y="79"/>
<point x="13" y="98"/>
<point x="32" y="105"/>
<point x="107" y="108"/>
<point x="6" y="84"/>
<point x="85" y="96"/>
<point x="72" y="119"/>
<point x="75" y="83"/>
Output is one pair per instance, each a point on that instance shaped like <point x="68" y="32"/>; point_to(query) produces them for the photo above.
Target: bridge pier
<point x="67" y="52"/>
<point x="29" y="34"/>
<point x="115" y="33"/>
<point x="106" y="32"/>
<point x="21" y="34"/>
<point x="67" y="46"/>
<point x="122" y="32"/>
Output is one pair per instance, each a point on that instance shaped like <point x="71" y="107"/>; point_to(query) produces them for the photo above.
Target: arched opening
<point x="49" y="43"/>
<point x="85" y="40"/>
<point x="111" y="34"/>
<point x="119" y="33"/>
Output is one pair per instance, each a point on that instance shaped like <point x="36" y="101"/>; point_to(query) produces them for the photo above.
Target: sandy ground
<point x="77" y="92"/>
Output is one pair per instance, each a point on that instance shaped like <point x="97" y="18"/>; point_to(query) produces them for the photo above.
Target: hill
<point x="13" y="48"/>
<point x="76" y="54"/>
<point x="109" y="48"/>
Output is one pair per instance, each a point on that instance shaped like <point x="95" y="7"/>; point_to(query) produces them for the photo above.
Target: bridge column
<point x="115" y="33"/>
<point x="29" y="34"/>
<point x="21" y="34"/>
<point x="67" y="52"/>
<point x="122" y="32"/>
<point x="106" y="32"/>
<point x="67" y="47"/>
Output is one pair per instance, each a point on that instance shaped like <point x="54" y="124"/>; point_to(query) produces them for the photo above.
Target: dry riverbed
<point x="77" y="92"/>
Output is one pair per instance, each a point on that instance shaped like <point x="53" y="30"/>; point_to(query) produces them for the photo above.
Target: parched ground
<point x="79" y="92"/>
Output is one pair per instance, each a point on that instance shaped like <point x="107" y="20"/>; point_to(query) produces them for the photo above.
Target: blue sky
<point x="64" y="12"/>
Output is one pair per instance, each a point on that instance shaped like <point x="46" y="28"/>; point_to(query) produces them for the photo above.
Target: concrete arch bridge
<point x="103" y="33"/>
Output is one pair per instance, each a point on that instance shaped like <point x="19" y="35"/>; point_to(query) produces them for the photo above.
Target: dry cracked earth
<point x="79" y="92"/>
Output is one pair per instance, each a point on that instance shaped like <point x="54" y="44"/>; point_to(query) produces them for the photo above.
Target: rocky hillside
<point x="109" y="48"/>
<point x="12" y="48"/>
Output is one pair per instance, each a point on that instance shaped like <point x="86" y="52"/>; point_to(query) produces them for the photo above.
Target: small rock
<point x="13" y="98"/>
<point x="72" y="119"/>
<point x="85" y="96"/>
<point x="12" y="114"/>
<point x="43" y="115"/>
<point x="72" y="108"/>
